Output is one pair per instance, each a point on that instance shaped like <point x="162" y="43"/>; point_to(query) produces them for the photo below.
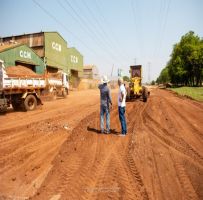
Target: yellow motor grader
<point x="135" y="88"/>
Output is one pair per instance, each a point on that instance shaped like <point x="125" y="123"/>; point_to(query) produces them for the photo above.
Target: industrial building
<point x="90" y="72"/>
<point x="21" y="55"/>
<point x="53" y="49"/>
<point x="75" y="65"/>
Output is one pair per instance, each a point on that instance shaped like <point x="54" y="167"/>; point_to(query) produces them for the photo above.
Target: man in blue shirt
<point x="105" y="104"/>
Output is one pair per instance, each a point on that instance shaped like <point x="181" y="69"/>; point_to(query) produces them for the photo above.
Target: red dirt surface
<point x="55" y="152"/>
<point x="21" y="71"/>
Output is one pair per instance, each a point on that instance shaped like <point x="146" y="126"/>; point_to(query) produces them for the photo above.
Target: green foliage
<point x="193" y="92"/>
<point x="126" y="78"/>
<point x="186" y="64"/>
<point x="153" y="82"/>
<point x="164" y="76"/>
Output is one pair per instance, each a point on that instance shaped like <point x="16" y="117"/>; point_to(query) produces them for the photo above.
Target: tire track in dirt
<point x="178" y="143"/>
<point x="189" y="192"/>
<point x="156" y="169"/>
<point x="34" y="145"/>
<point x="195" y="130"/>
<point x="136" y="125"/>
<point x="177" y="127"/>
<point x="127" y="168"/>
<point x="148" y="125"/>
<point x="98" y="166"/>
<point x="140" y="126"/>
<point x="30" y="148"/>
<point x="80" y="173"/>
<point x="113" y="173"/>
<point x="154" y="161"/>
<point x="175" y="142"/>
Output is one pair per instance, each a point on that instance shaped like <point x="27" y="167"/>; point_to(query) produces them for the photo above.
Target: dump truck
<point x="135" y="89"/>
<point x="24" y="92"/>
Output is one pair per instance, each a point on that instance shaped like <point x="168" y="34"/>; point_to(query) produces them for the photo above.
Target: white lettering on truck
<point x="56" y="46"/>
<point x="25" y="54"/>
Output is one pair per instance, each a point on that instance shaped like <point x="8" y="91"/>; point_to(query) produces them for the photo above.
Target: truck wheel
<point x="3" y="106"/>
<point x="65" y="93"/>
<point x="16" y="106"/>
<point x="144" y="94"/>
<point x="54" y="95"/>
<point x="30" y="103"/>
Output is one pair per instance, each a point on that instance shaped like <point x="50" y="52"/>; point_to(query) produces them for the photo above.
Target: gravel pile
<point x="21" y="71"/>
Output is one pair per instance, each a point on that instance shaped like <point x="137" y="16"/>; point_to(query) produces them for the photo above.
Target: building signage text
<point x="25" y="54"/>
<point x="56" y="46"/>
<point x="74" y="59"/>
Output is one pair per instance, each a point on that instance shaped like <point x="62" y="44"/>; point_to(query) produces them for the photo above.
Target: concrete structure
<point x="21" y="54"/>
<point x="90" y="72"/>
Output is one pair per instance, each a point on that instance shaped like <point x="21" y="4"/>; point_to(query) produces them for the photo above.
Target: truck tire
<point x="3" y="105"/>
<point x="30" y="102"/>
<point x="54" y="95"/>
<point x="64" y="93"/>
<point x="16" y="106"/>
<point x="144" y="94"/>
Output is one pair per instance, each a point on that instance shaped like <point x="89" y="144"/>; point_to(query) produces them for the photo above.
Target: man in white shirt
<point x="121" y="106"/>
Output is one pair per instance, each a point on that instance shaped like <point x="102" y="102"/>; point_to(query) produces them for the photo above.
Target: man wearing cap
<point x="105" y="104"/>
<point x="121" y="106"/>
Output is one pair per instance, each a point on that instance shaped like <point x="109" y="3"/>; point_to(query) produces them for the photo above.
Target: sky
<point x="111" y="34"/>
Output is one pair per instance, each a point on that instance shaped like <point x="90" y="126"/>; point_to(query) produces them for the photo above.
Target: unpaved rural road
<point x="55" y="152"/>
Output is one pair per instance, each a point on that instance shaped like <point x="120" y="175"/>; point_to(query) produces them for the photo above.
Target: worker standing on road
<point x="105" y="104"/>
<point x="121" y="106"/>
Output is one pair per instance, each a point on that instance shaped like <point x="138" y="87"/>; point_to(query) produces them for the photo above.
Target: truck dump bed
<point x="18" y="81"/>
<point x="20" y="77"/>
<point x="13" y="83"/>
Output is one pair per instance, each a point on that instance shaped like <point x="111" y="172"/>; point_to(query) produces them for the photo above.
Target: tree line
<point x="185" y="66"/>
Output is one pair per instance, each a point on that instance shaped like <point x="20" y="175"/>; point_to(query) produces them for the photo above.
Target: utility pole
<point x="135" y="60"/>
<point x="149" y="78"/>
<point x="112" y="71"/>
<point x="120" y="72"/>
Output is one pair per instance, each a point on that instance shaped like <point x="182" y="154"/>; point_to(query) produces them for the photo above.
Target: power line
<point x="165" y="8"/>
<point x="136" y="29"/>
<point x="115" y="41"/>
<point x="57" y="21"/>
<point x="92" y="36"/>
<point x="105" y="35"/>
<point x="66" y="29"/>
<point x="166" y="18"/>
<point x="92" y="30"/>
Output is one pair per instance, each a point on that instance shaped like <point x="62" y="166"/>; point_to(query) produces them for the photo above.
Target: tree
<point x="163" y="77"/>
<point x="126" y="78"/>
<point x="185" y="66"/>
<point x="153" y="82"/>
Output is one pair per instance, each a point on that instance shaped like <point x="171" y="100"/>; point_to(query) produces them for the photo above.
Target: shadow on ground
<point x="112" y="131"/>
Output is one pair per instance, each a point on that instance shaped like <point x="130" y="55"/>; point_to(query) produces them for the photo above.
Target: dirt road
<point x="56" y="151"/>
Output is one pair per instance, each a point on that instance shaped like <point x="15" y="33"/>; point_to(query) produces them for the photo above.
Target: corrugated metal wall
<point x="53" y="48"/>
<point x="75" y="60"/>
<point x="56" y="51"/>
